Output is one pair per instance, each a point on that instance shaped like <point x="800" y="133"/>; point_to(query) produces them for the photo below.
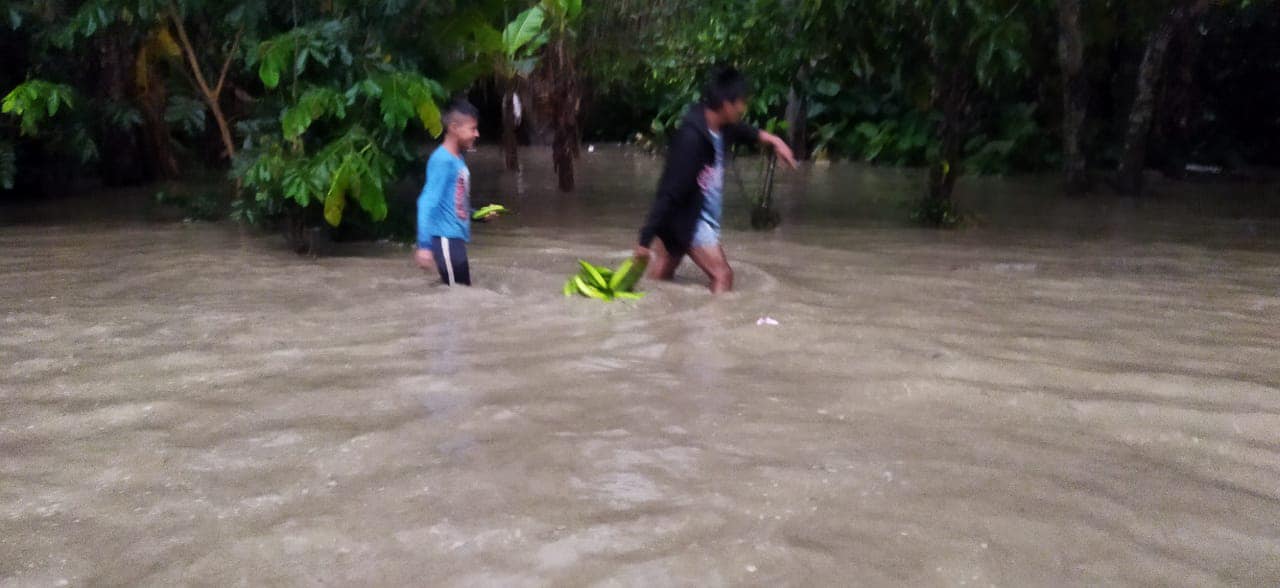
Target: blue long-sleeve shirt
<point x="444" y="206"/>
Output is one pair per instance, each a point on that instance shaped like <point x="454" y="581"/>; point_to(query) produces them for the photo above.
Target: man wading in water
<point x="685" y="217"/>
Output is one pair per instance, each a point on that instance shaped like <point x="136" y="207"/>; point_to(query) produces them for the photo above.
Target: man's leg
<point x="451" y="260"/>
<point x="662" y="265"/>
<point x="712" y="260"/>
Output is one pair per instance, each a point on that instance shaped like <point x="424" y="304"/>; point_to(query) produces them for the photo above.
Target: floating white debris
<point x="1197" y="168"/>
<point x="766" y="321"/>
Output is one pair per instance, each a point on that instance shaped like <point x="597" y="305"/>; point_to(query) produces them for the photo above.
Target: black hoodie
<point x="675" y="212"/>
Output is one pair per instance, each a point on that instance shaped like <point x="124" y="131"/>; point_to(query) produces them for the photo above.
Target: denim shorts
<point x="704" y="235"/>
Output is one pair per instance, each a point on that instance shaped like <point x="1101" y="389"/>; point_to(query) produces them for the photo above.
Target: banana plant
<point x="559" y="87"/>
<point x="512" y="55"/>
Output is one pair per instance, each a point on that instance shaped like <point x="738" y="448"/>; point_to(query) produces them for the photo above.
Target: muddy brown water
<point x="1071" y="392"/>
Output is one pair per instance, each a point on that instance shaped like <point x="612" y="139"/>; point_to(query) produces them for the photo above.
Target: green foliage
<point x="863" y="69"/>
<point x="344" y="102"/>
<point x="44" y="111"/>
<point x="36" y="101"/>
<point x="562" y="12"/>
<point x="902" y="140"/>
<point x="1015" y="142"/>
<point x="187" y="114"/>
<point x="96" y="16"/>
<point x="352" y="166"/>
<point x="121" y="115"/>
<point x="355" y="163"/>
<point x="511" y="52"/>
<point x="295" y="50"/>
<point x="312" y="105"/>
<point x="403" y="96"/>
<point x="524" y="34"/>
<point x="358" y="170"/>
<point x="255" y="212"/>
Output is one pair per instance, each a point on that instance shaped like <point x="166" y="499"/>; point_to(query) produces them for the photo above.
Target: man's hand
<point x="780" y="148"/>
<point x="489" y="217"/>
<point x="425" y="259"/>
<point x="641" y="252"/>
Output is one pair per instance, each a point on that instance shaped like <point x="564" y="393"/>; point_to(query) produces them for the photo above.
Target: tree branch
<point x="226" y="65"/>
<point x="189" y="50"/>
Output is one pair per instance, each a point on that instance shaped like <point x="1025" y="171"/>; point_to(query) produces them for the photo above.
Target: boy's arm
<point x="426" y="204"/>
<point x="680" y="173"/>
<point x="744" y="133"/>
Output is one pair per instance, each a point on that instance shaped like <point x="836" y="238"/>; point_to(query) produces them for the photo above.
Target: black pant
<point x="451" y="260"/>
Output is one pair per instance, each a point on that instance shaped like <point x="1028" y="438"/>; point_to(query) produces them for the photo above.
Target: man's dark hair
<point x="725" y="84"/>
<point x="457" y="109"/>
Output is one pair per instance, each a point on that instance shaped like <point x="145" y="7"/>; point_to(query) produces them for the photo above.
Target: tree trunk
<point x="952" y="94"/>
<point x="566" y="104"/>
<point x="122" y="163"/>
<point x="509" y="146"/>
<point x="796" y="115"/>
<point x="1178" y="101"/>
<point x="1075" y="94"/>
<point x="559" y="98"/>
<point x="1133" y="160"/>
<point x="944" y="173"/>
<point x="152" y="100"/>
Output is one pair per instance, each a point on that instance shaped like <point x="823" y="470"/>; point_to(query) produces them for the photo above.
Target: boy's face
<point x="466" y="130"/>
<point x="734" y="110"/>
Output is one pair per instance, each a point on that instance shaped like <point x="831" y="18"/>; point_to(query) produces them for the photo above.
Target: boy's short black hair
<point x="459" y="108"/>
<point x="725" y="84"/>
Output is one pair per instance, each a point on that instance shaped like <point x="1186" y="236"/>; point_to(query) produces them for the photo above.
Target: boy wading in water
<point x="685" y="217"/>
<point x="444" y="207"/>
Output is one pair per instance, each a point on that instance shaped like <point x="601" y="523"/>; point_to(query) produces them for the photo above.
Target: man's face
<point x="734" y="110"/>
<point x="467" y="130"/>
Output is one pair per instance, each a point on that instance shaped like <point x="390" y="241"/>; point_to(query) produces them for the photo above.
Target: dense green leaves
<point x="357" y="170"/>
<point x="521" y="33"/>
<point x="351" y="167"/>
<point x="187" y="114"/>
<point x="36" y="101"/>
<point x="403" y="96"/>
<point x="313" y="104"/>
<point x="345" y="102"/>
<point x="320" y="43"/>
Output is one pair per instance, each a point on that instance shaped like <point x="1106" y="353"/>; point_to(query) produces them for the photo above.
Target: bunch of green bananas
<point x="488" y="210"/>
<point x="602" y="283"/>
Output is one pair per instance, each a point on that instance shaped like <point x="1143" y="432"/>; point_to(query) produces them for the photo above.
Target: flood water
<point x="1069" y="392"/>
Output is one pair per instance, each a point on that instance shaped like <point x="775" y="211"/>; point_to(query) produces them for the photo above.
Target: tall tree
<point x="1150" y="73"/>
<point x="1075" y="94"/>
<point x="975" y="48"/>
<point x="559" y="87"/>
<point x="512" y="55"/>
